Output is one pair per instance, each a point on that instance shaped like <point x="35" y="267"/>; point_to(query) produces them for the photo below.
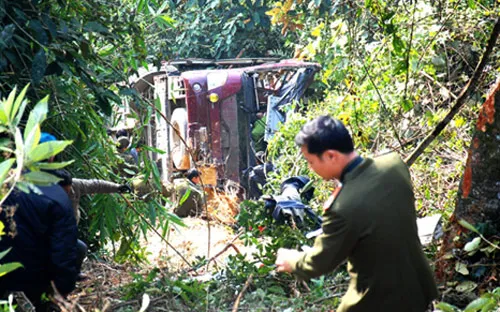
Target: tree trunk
<point x="478" y="198"/>
<point x="479" y="192"/>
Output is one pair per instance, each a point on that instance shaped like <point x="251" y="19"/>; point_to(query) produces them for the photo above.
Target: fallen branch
<point x="230" y="244"/>
<point x="462" y="97"/>
<point x="240" y="295"/>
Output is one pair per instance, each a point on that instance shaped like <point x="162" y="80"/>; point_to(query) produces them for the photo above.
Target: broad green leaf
<point x="95" y="27"/>
<point x="47" y="149"/>
<point x="3" y="253"/>
<point x="156" y="175"/>
<point x="175" y="219"/>
<point x="53" y="165"/>
<point x="446" y="307"/>
<point x="128" y="171"/>
<point x="407" y="105"/>
<point x="153" y="149"/>
<point x="38" y="66"/>
<point x="17" y="104"/>
<point x="471" y="4"/>
<point x="466" y="286"/>
<point x="490" y="306"/>
<point x="31" y="141"/>
<point x="6" y="107"/>
<point x="23" y="186"/>
<point x="477" y="305"/>
<point x="496" y="292"/>
<point x="20" y="113"/>
<point x="461" y="268"/>
<point x="40" y="178"/>
<point x="468" y="226"/>
<point x="473" y="245"/>
<point x="185" y="196"/>
<point x="164" y="20"/>
<point x="106" y="50"/>
<point x="5" y="167"/>
<point x="9" y="267"/>
<point x="140" y="5"/>
<point x="37" y="116"/>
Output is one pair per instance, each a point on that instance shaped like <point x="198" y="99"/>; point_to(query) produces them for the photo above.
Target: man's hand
<point x="283" y="259"/>
<point x="124" y="188"/>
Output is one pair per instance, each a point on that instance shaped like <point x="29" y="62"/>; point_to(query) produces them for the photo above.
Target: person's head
<point x="46" y="137"/>
<point x="193" y="175"/>
<point x="121" y="132"/>
<point x="327" y="146"/>
<point x="66" y="179"/>
<point x="122" y="143"/>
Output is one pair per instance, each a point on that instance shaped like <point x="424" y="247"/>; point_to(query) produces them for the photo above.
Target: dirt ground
<point x="102" y="289"/>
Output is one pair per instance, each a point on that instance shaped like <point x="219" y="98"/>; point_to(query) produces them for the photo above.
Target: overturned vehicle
<point x="210" y="112"/>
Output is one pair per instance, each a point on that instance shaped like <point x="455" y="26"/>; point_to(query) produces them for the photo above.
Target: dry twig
<point x="240" y="295"/>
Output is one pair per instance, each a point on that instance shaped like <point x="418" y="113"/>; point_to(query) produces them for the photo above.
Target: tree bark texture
<point x="478" y="197"/>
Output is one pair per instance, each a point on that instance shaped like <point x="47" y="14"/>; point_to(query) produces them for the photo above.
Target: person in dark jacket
<point x="42" y="237"/>
<point x="75" y="188"/>
<point x="369" y="220"/>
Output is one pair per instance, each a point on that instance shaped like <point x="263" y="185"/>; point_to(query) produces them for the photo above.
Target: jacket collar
<point x="355" y="168"/>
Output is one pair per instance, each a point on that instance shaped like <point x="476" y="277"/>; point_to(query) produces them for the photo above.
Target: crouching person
<point x="42" y="235"/>
<point x="189" y="194"/>
<point x="76" y="188"/>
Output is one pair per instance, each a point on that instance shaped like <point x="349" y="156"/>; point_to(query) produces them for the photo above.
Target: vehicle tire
<point x="178" y="150"/>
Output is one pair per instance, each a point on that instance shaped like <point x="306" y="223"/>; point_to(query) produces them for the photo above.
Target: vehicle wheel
<point x="180" y="155"/>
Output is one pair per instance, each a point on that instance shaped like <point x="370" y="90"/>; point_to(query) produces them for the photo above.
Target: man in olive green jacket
<point x="370" y="220"/>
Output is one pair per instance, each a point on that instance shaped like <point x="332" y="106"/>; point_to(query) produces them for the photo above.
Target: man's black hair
<point x="121" y="132"/>
<point x="192" y="173"/>
<point x="64" y="175"/>
<point x="325" y="133"/>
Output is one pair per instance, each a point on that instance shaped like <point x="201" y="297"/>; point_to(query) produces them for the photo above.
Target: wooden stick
<point x="240" y="295"/>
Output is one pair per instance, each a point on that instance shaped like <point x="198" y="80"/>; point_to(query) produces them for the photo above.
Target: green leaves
<point x="446" y="307"/>
<point x="479" y="304"/>
<point x="12" y="109"/>
<point x="46" y="150"/>
<point x="164" y="21"/>
<point x="7" y="267"/>
<point x="38" y="66"/>
<point x="468" y="226"/>
<point x="40" y="178"/>
<point x="5" y="167"/>
<point x="472" y="246"/>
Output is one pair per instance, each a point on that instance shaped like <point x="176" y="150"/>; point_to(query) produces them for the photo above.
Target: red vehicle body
<point x="211" y="112"/>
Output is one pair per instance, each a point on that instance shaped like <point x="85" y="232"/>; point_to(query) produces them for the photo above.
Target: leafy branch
<point x="462" y="97"/>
